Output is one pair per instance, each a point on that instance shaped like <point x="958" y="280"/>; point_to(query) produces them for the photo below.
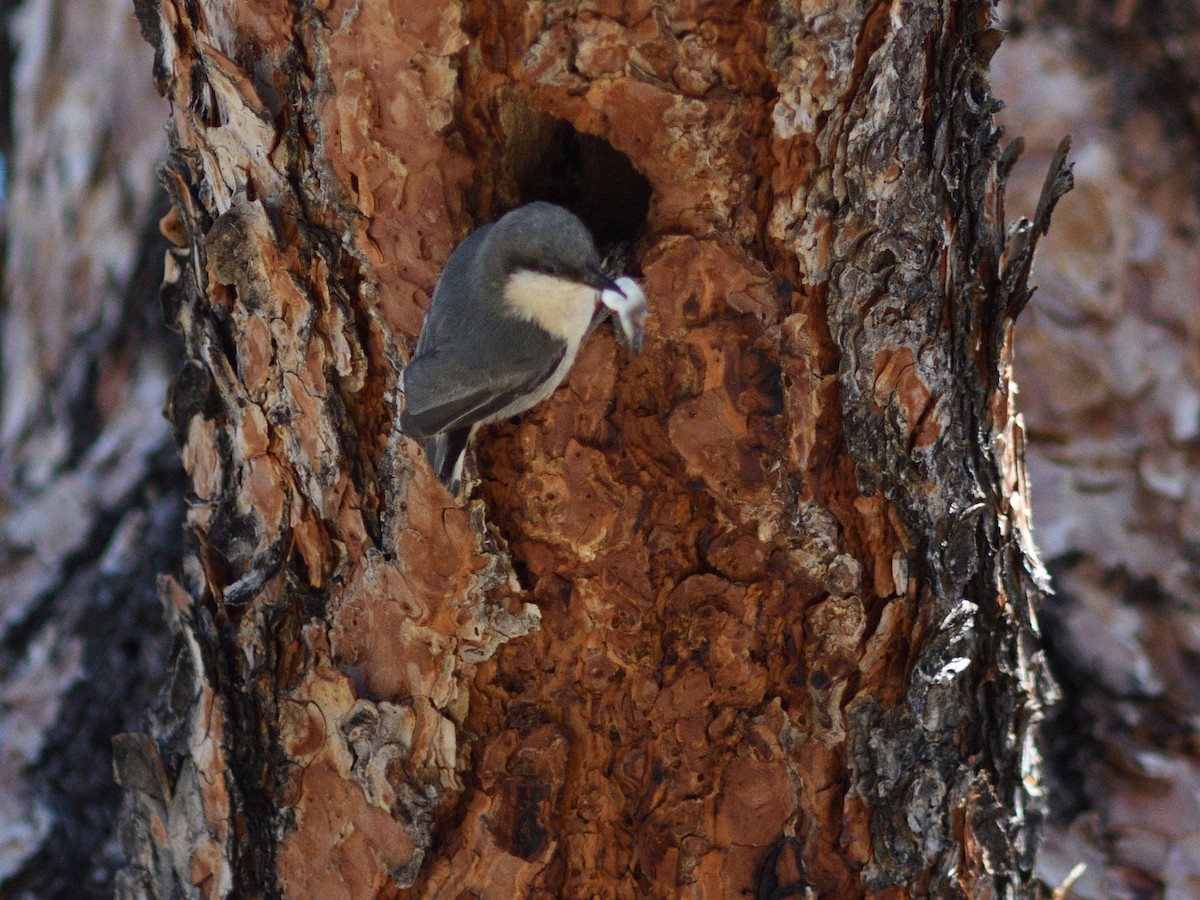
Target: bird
<point x="513" y="304"/>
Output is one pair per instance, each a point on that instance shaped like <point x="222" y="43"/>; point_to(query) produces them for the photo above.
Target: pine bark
<point x="753" y="613"/>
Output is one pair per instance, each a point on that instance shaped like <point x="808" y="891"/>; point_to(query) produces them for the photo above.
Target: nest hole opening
<point x="547" y="159"/>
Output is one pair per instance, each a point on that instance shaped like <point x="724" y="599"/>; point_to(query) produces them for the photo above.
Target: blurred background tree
<point x="91" y="490"/>
<point x="1108" y="362"/>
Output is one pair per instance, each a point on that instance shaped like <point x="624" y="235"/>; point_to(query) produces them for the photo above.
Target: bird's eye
<point x="547" y="268"/>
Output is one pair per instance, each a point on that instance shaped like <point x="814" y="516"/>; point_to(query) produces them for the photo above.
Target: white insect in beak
<point x="628" y="302"/>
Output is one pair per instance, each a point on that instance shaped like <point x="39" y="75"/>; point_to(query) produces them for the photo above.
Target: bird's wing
<point x="445" y="320"/>
<point x="444" y="391"/>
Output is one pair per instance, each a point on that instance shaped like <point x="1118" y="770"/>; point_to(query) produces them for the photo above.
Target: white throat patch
<point x="564" y="308"/>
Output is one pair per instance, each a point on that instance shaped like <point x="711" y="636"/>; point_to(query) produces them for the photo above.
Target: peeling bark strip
<point x="781" y="563"/>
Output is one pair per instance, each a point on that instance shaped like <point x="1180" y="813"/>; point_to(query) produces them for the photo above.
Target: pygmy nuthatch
<point x="507" y="317"/>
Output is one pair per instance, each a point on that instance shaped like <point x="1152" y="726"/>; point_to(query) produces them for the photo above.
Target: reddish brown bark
<point x="751" y="613"/>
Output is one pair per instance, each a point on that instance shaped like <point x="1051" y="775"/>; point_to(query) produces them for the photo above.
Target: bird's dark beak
<point x="593" y="277"/>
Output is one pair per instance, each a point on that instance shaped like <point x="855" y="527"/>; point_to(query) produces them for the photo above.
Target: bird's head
<point x="551" y="269"/>
<point x="548" y="240"/>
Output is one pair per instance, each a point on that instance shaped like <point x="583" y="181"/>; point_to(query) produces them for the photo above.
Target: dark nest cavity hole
<point x="545" y="158"/>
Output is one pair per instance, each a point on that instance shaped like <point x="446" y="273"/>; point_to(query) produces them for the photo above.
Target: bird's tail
<point x="447" y="452"/>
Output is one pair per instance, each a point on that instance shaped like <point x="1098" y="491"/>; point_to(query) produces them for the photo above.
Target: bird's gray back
<point x="472" y="360"/>
<point x="451" y="314"/>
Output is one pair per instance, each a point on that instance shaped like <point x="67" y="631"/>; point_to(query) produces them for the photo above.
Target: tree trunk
<point x="750" y="614"/>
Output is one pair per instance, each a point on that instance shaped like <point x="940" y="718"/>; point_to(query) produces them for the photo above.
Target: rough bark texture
<point x="1106" y="363"/>
<point x="751" y="613"/>
<point x="1110" y="383"/>
<point x="90" y="486"/>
